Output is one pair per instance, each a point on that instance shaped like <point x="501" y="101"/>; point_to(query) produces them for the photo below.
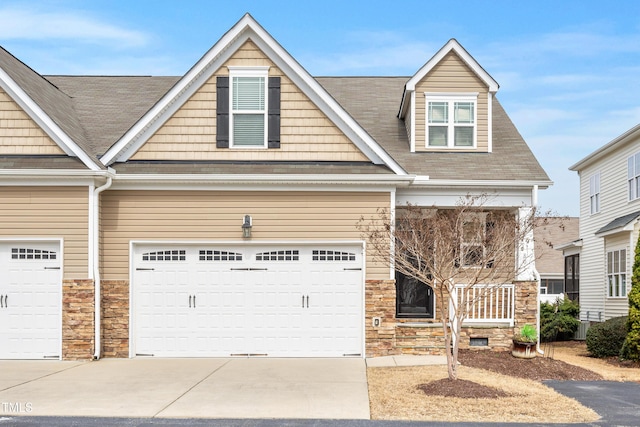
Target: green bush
<point x="606" y="339"/>
<point x="631" y="346"/>
<point x="559" y="321"/>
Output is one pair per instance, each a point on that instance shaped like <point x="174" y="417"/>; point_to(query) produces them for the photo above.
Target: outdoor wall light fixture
<point x="246" y="227"/>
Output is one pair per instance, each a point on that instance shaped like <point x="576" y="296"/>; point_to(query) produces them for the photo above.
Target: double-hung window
<point x="594" y="193"/>
<point x="451" y="120"/>
<point x="617" y="273"/>
<point x="248" y="107"/>
<point x="633" y="176"/>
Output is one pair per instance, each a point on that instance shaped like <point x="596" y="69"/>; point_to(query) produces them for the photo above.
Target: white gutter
<point x="290" y="179"/>
<point x="96" y="266"/>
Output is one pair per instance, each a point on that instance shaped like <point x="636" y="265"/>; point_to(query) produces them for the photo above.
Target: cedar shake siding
<point x="55" y="212"/>
<point x="19" y="134"/>
<point x="452" y="75"/>
<point x="217" y="215"/>
<point x="306" y="134"/>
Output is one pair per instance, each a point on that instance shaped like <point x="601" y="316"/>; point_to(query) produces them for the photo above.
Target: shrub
<point x="559" y="321"/>
<point x="606" y="339"/>
<point x="631" y="346"/>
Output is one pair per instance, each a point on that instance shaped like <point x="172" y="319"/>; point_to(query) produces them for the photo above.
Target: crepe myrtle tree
<point x="453" y="250"/>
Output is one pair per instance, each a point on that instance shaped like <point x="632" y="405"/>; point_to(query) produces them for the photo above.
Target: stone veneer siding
<point x="78" y="303"/>
<point x="115" y="318"/>
<point x="407" y="336"/>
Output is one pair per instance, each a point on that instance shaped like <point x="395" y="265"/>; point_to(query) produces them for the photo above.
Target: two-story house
<point x="609" y="212"/>
<point x="215" y="213"/>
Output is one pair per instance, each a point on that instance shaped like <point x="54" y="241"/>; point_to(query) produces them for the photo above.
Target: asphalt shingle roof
<point x="619" y="222"/>
<point x="95" y="111"/>
<point x="55" y="103"/>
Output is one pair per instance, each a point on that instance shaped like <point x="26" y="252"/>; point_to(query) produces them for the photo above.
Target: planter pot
<point x="524" y="350"/>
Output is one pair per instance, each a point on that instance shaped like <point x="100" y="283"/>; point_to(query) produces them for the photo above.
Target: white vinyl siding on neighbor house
<point x="595" y="305"/>
<point x="617" y="273"/>
<point x="594" y="193"/>
<point x="248" y="116"/>
<point x="451" y="120"/>
<point x="633" y="176"/>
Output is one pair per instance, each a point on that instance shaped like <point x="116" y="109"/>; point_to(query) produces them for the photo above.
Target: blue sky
<point x="568" y="70"/>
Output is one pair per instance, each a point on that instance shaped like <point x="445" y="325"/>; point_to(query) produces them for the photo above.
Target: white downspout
<point x="96" y="266"/>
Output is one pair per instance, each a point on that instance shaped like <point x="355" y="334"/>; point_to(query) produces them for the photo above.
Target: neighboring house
<point x="214" y="214"/>
<point x="609" y="212"/>
<point x="548" y="233"/>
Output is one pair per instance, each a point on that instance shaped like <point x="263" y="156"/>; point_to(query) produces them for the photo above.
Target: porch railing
<point x="488" y="303"/>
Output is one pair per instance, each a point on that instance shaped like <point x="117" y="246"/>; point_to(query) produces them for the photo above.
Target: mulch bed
<point x="461" y="388"/>
<point x="537" y="369"/>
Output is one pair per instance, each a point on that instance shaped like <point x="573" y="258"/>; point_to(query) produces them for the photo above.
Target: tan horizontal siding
<point x="452" y="75"/>
<point x="19" y="134"/>
<point x="306" y="132"/>
<point x="56" y="212"/>
<point x="216" y="215"/>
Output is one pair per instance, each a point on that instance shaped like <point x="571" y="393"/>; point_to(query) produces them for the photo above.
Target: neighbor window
<point x="451" y="120"/>
<point x="248" y="108"/>
<point x="633" y="176"/>
<point x="413" y="298"/>
<point x="572" y="277"/>
<point x="617" y="273"/>
<point x="594" y="193"/>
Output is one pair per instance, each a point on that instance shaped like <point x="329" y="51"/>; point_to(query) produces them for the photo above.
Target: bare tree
<point x="463" y="253"/>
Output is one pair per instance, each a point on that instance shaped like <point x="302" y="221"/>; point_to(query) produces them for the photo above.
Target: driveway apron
<point x="618" y="403"/>
<point x="188" y="388"/>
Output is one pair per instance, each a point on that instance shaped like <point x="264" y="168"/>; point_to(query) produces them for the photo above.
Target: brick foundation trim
<point x="78" y="305"/>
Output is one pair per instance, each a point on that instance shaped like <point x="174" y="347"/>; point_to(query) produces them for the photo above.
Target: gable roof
<point x="628" y="136"/>
<point x="451" y="46"/>
<point x="49" y="107"/>
<point x="247" y="28"/>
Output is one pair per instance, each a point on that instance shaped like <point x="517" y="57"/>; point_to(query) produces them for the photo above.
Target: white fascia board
<point x="625" y="228"/>
<point x="462" y="53"/>
<point x="45" y="122"/>
<point x="246" y="28"/>
<point x="50" y="177"/>
<point x="568" y="245"/>
<point x="489" y="184"/>
<point x="631" y="134"/>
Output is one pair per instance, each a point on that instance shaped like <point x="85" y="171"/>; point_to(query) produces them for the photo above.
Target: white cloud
<point x="30" y="24"/>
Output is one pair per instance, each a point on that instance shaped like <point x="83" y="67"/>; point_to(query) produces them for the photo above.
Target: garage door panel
<point x="253" y="300"/>
<point x="30" y="316"/>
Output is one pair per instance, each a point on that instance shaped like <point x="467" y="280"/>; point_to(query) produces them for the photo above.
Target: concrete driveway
<point x="187" y="388"/>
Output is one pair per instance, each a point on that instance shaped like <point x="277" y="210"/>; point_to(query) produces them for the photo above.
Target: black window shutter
<point x="274" y="112"/>
<point x="222" y="112"/>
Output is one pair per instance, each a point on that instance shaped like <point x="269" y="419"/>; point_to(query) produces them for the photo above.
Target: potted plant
<point x="524" y="343"/>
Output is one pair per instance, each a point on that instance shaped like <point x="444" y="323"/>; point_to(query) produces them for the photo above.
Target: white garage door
<point x="300" y="301"/>
<point x="30" y="300"/>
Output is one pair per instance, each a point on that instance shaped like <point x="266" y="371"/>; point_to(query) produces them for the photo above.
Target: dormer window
<point x="451" y="120"/>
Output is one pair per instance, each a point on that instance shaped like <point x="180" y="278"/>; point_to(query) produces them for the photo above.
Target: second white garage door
<point x="294" y="301"/>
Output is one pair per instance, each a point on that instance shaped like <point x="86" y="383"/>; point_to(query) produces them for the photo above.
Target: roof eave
<point x="631" y="134"/>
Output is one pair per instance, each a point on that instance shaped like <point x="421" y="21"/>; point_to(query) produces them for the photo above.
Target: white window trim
<point x="594" y="193"/>
<point x="451" y="98"/>
<point x="481" y="218"/>
<point x="623" y="270"/>
<point x="249" y="72"/>
<point x="633" y="178"/>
